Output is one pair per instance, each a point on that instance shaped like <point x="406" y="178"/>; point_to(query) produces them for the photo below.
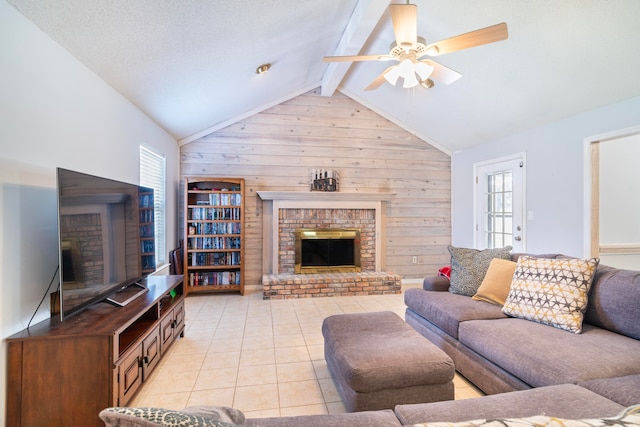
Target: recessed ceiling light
<point x="263" y="68"/>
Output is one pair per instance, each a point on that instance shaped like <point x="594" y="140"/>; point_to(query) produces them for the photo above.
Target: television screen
<point x="106" y="237"/>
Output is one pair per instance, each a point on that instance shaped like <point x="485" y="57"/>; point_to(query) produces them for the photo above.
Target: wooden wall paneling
<point x="275" y="150"/>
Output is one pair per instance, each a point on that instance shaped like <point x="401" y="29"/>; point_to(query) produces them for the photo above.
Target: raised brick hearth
<point x="286" y="286"/>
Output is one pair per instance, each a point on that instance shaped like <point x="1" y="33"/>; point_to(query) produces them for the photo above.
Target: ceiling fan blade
<point x="441" y="73"/>
<point x="495" y="33"/>
<point x="357" y="58"/>
<point x="405" y="22"/>
<point x="379" y="80"/>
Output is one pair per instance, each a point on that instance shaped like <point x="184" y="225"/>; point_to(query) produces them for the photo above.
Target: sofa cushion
<point x="541" y="355"/>
<point x="630" y="417"/>
<point x="551" y="291"/>
<point x="623" y="390"/>
<point x="566" y="400"/>
<point x="497" y="282"/>
<point x="155" y="417"/>
<point x="447" y="310"/>
<point x="614" y="300"/>
<point x="469" y="266"/>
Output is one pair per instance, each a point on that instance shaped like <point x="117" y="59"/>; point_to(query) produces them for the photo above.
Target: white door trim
<point x="587" y="180"/>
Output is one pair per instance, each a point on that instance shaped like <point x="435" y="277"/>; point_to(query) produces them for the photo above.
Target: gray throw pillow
<point x="469" y="266"/>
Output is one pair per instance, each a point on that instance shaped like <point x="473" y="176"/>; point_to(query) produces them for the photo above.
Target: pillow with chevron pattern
<point x="551" y="291"/>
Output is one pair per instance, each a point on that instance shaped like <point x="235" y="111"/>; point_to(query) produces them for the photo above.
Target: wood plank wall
<point x="275" y="150"/>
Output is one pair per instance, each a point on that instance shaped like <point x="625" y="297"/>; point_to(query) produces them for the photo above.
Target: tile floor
<point x="265" y="358"/>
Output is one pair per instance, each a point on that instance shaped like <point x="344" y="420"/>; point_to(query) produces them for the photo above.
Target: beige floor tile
<point x="287" y="329"/>
<point x="329" y="390"/>
<point x="300" y="393"/>
<point x="256" y="397"/>
<point x="221" y="360"/>
<point x="295" y="371"/>
<point x="257" y="342"/>
<point x="256" y="375"/>
<point x="296" y="340"/>
<point x="225" y="345"/>
<point x="258" y="331"/>
<point x="175" y="401"/>
<point x="292" y="354"/>
<point x="225" y="333"/>
<point x="190" y="346"/>
<point x="336" y="407"/>
<point x="316" y="352"/>
<point x="466" y="393"/>
<point x="257" y="357"/>
<point x="214" y="397"/>
<point x="172" y="381"/>
<point x="321" y="368"/>
<point x="216" y="378"/>
<point x="181" y="363"/>
<point x="266" y="413"/>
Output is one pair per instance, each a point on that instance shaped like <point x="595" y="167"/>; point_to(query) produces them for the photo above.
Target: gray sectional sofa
<point x="500" y="353"/>
<point x="526" y="368"/>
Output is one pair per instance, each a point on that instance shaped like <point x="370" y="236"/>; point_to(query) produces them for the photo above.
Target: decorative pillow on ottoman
<point x="551" y="291"/>
<point x="469" y="266"/>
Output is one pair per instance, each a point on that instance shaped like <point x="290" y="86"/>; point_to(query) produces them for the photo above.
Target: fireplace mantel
<point x="273" y="201"/>
<point x="330" y="196"/>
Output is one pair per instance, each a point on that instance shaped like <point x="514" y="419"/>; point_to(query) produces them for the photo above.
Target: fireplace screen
<point x="327" y="250"/>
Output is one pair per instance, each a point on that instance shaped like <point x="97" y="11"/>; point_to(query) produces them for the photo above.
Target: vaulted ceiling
<point x="190" y="65"/>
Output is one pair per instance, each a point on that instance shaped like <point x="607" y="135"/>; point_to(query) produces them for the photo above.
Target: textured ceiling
<point x="190" y="65"/>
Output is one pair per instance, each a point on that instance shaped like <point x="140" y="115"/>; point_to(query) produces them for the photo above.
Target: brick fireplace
<point x="286" y="212"/>
<point x="291" y="220"/>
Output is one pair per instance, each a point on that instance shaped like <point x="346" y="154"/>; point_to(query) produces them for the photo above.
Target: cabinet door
<point x="150" y="352"/>
<point x="178" y="317"/>
<point x="166" y="331"/>
<point x="129" y="375"/>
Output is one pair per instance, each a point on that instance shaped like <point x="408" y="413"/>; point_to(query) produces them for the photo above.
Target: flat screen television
<point x="106" y="240"/>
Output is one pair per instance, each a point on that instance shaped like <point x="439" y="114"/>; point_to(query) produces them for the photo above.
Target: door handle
<point x="517" y="238"/>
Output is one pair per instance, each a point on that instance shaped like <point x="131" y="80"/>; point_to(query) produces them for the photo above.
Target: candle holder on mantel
<point x="324" y="180"/>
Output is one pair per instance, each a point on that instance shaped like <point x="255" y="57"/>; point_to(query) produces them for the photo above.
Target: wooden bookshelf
<point x="214" y="235"/>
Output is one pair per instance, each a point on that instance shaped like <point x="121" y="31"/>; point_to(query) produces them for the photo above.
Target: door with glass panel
<point x="499" y="204"/>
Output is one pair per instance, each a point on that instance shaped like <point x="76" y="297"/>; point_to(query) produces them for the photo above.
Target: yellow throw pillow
<point x="497" y="282"/>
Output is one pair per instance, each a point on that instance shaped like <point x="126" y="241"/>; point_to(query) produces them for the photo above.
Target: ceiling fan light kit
<point x="408" y="48"/>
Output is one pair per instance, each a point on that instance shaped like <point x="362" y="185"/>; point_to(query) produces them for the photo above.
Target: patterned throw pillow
<point x="469" y="266"/>
<point x="630" y="417"/>
<point x="551" y="291"/>
<point x="155" y="417"/>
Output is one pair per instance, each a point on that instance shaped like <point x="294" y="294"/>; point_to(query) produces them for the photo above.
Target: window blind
<point x="153" y="175"/>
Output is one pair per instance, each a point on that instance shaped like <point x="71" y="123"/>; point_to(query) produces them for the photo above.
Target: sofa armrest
<point x="436" y="283"/>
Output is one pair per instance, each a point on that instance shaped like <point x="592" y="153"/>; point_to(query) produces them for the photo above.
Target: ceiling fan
<point x="408" y="48"/>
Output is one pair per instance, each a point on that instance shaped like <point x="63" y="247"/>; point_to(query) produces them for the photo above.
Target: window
<point x="499" y="203"/>
<point x="152" y="174"/>
<point x="499" y="213"/>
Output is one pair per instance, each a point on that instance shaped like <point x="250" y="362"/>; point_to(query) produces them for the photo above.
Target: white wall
<point x="555" y="180"/>
<point x="55" y="112"/>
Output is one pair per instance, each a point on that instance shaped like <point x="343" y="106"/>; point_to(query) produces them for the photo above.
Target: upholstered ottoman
<point x="378" y="361"/>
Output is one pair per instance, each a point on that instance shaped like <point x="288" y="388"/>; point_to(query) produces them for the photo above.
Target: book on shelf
<point x="218" y="278"/>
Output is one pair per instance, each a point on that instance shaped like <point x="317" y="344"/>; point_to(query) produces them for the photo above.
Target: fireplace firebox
<point x="327" y="250"/>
